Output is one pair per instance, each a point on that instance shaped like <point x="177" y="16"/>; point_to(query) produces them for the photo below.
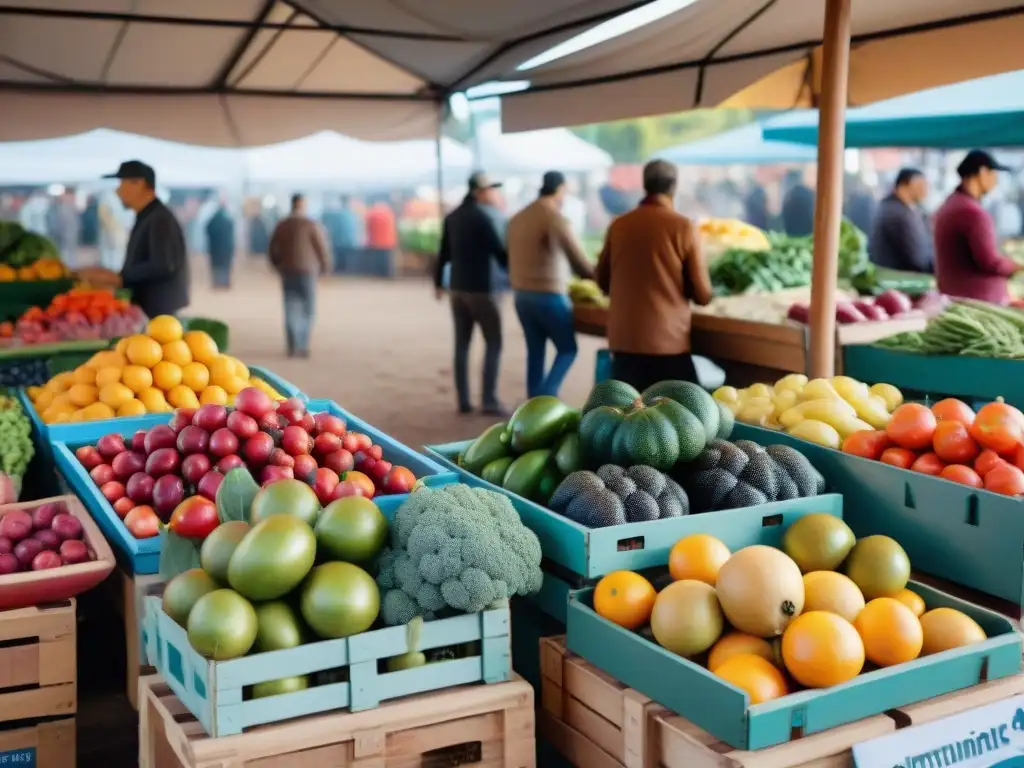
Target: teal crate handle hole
<point x="174" y="664"/>
<point x="972" y="510"/>
<point x="771" y="521"/>
<point x="631" y="544"/>
<point x="199" y="685"/>
<point x="908" y="497"/>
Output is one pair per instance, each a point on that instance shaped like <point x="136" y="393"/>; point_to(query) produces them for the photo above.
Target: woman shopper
<point x="541" y="251"/>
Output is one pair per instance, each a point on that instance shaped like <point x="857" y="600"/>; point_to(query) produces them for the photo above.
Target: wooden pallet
<point x="128" y="593"/>
<point x="44" y="745"/>
<point x="38" y="662"/>
<point x="490" y="725"/>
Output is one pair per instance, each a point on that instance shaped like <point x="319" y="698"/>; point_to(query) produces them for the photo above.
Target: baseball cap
<point x="551" y="182"/>
<point x="977" y="159"/>
<point x="134" y="169"/>
<point x="480" y="180"/>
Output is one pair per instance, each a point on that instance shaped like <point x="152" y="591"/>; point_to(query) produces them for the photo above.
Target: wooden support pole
<point x="828" y="210"/>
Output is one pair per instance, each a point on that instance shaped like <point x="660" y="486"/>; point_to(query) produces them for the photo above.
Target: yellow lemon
<point x="241" y="370"/>
<point x="108" y="359"/>
<point x="106" y="376"/>
<point x="232" y="384"/>
<point x="115" y="395"/>
<point x="165" y="329"/>
<point x="213" y="395"/>
<point x="182" y="397"/>
<point x="42" y="400"/>
<point x="154" y="400"/>
<point x="143" y="350"/>
<point x="195" y="376"/>
<point x="84" y="375"/>
<point x="221" y="367"/>
<point x="82" y="395"/>
<point x="137" y="378"/>
<point x="97" y="411"/>
<point x="177" y="352"/>
<point x="122" y="346"/>
<point x="77" y="416"/>
<point x="202" y="345"/>
<point x="61" y="382"/>
<point x="166" y="375"/>
<point x="131" y="408"/>
<point x="63" y="400"/>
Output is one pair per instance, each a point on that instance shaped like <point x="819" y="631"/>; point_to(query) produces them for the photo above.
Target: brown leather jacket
<point x="651" y="267"/>
<point x="298" y="247"/>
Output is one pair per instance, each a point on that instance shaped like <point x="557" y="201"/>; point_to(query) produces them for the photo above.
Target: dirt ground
<point x="382" y="349"/>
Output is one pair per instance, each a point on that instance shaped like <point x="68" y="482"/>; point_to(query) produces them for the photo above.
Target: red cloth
<point x="967" y="258"/>
<point x="381" y="231"/>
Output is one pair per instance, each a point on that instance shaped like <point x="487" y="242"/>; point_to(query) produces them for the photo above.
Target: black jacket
<point x="900" y="238"/>
<point x="470" y="241"/>
<point x="156" y="262"/>
<point x="798" y="211"/>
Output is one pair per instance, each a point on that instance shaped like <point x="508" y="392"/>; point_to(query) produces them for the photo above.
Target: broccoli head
<point x="457" y="549"/>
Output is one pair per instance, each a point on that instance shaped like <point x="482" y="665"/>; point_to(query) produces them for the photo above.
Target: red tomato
<point x="952" y="409"/>
<point x="928" y="464"/>
<point x="1005" y="479"/>
<point x="959" y="473"/>
<point x="986" y="460"/>
<point x="898" y="457"/>
<point x="954" y="444"/>
<point x="912" y="426"/>
<point x="123" y="506"/>
<point x="142" y="522"/>
<point x="999" y="426"/>
<point x="867" y="443"/>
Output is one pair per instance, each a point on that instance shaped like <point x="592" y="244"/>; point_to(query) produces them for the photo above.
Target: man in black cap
<point x="967" y="258"/>
<point x="156" y="268"/>
<point x="542" y="250"/>
<point x="471" y="242"/>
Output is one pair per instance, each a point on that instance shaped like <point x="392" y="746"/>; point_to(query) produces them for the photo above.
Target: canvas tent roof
<point x="250" y="72"/>
<point x="534" y="152"/>
<point x="767" y="54"/>
<point x="740" y="146"/>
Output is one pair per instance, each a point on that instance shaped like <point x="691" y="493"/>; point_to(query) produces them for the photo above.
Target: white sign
<point x="986" y="737"/>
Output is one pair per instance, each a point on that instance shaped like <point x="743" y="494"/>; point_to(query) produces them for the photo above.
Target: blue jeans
<point x="299" y="309"/>
<point x="546" y="316"/>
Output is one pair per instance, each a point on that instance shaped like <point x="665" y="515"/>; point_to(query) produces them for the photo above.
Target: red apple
<point x="16" y="524"/>
<point x="379" y="471"/>
<point x="208" y="485"/>
<point x="307" y="422"/>
<point x="42" y="516"/>
<point x="192" y="439"/>
<point x="223" y="443"/>
<point x="160" y="436"/>
<point x="181" y="418"/>
<point x="254" y="402"/>
<point x="291" y="409"/>
<point x="193" y="467"/>
<point x="325" y="443"/>
<point x="102" y="474"/>
<point x="123" y="506"/>
<point x="280" y="458"/>
<point x="242" y="424"/>
<point x="110" y="445"/>
<point x="296" y="441"/>
<point x="257" y="449"/>
<point x="324" y="482"/>
<point x="350" y="442"/>
<point x="112" y="491"/>
<point x="210" y="417"/>
<point x="163" y="461"/>
<point x="375" y="452"/>
<point x="88" y="457"/>
<point x="140" y="488"/>
<point x="228" y="463"/>
<point x="127" y="464"/>
<point x="340" y="461"/>
<point x="139" y="441"/>
<point x="363" y="462"/>
<point x="270" y="421"/>
<point x="329" y="423"/>
<point x="167" y="494"/>
<point x="305" y="465"/>
<point x="271" y="474"/>
<point x="347" y="488"/>
<point x="364" y="442"/>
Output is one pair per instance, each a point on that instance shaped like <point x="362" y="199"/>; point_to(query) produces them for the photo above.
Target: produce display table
<point x="764" y="350"/>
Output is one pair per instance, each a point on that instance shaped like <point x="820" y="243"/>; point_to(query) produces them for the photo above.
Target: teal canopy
<point x="739" y="146"/>
<point x="987" y="112"/>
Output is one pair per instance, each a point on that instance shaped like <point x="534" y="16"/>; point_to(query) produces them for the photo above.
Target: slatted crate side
<point x="134" y="591"/>
<point x="615" y="719"/>
<point x="43" y="745"/>
<point x="485" y="725"/>
<point x="38" y="662"/>
<point x="960" y="701"/>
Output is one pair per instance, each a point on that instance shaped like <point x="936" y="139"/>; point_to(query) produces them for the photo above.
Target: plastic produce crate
<point x="593" y="552"/>
<point x="212" y="690"/>
<point x="140" y="556"/>
<point x="285" y="388"/>
<point x="968" y="536"/>
<point x="723" y="710"/>
<point x="969" y="378"/>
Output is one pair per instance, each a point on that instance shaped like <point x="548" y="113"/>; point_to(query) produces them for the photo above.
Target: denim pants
<point x="468" y="311"/>
<point x="299" y="309"/>
<point x="544" y="317"/>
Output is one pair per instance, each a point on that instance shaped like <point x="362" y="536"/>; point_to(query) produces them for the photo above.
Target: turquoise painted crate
<point x="970" y="537"/>
<point x="286" y="388"/>
<point x="969" y="378"/>
<point x="137" y="556"/>
<point x="723" y="710"/>
<point x="593" y="552"/>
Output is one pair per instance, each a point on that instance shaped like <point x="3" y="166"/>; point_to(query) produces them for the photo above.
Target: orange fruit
<point x="834" y="592"/>
<point x="241" y="369"/>
<point x="752" y="673"/>
<point x="946" y="628"/>
<point x="131" y="408"/>
<point x="82" y="395"/>
<point x="734" y="644"/>
<point x="213" y="395"/>
<point x="154" y="400"/>
<point x="891" y="632"/>
<point x="822" y="649"/>
<point x="143" y="350"/>
<point x="177" y="352"/>
<point x="195" y="376"/>
<point x="122" y="346"/>
<point x="43" y="400"/>
<point x="912" y="600"/>
<point x="166" y="376"/>
<point x="233" y="385"/>
<point x="698" y="556"/>
<point x="202" y="345"/>
<point x="107" y="375"/>
<point x="77" y="416"/>
<point x="137" y="378"/>
<point x="97" y="411"/>
<point x="165" y="329"/>
<point x="84" y="375"/>
<point x="221" y="367"/>
<point x="182" y="397"/>
<point x="61" y="382"/>
<point x="115" y="395"/>
<point x="624" y="598"/>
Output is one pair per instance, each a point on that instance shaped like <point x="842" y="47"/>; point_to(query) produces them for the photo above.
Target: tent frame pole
<point x="828" y="210"/>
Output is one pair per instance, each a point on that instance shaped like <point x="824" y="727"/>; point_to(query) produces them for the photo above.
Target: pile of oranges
<point x="152" y="372"/>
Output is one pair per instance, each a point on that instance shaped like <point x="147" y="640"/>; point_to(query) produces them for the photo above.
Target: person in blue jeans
<point x="542" y="252"/>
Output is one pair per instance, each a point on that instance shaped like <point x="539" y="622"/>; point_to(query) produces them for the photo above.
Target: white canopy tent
<point x="252" y="72"/>
<point x="534" y="152"/>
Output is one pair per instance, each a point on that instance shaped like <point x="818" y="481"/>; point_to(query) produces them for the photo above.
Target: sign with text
<point x="985" y="737"/>
<point x="21" y="758"/>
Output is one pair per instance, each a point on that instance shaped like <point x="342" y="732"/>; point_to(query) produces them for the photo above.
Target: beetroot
<point x="50" y="540"/>
<point x="9" y="563"/>
<point x="167" y="494"/>
<point x="42" y="516"/>
<point x="271" y="474"/>
<point x="16" y="524"/>
<point x="110" y="445"/>
<point x="127" y="464"/>
<point x="325" y="422"/>
<point x="242" y="424"/>
<point x="210" y="417"/>
<point x="296" y="441"/>
<point x="228" y="463"/>
<point x="193" y="439"/>
<point x="73" y="551"/>
<point x="208" y="484"/>
<point x="799" y="312"/>
<point x="67" y="526"/>
<point x="163" y="461"/>
<point x="140" y="488"/>
<point x="139" y="441"/>
<point x="894" y="302"/>
<point x="874" y="312"/>
<point x="223" y="442"/>
<point x="257" y="449"/>
<point x="182" y="418"/>
<point x="254" y="402"/>
<point x="194" y="467"/>
<point x="847" y="313"/>
<point x="6" y="545"/>
<point x="46" y="560"/>
<point x="304" y="466"/>
<point x="160" y="436"/>
<point x="279" y="458"/>
<point x="26" y="551"/>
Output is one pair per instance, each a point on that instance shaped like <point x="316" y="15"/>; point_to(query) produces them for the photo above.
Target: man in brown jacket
<point x="541" y="251"/>
<point x="298" y="251"/>
<point x="651" y="267"/>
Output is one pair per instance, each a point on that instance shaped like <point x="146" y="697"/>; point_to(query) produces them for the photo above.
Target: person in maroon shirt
<point x="967" y="258"/>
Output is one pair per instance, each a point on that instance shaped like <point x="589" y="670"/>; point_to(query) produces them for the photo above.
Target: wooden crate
<point x="44" y="745"/>
<point x="38" y="662"/>
<point x="489" y="725"/>
<point x="128" y="593"/>
<point x="959" y="701"/>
